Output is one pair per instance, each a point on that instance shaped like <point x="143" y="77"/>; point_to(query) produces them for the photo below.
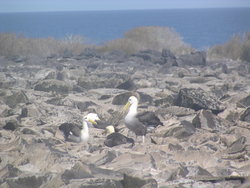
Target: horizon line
<point x="104" y="10"/>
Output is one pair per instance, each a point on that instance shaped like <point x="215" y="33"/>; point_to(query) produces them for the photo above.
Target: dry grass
<point x="18" y="45"/>
<point x="238" y="48"/>
<point x="149" y="37"/>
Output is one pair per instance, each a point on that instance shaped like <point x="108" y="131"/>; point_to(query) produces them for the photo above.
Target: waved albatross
<point x="139" y="123"/>
<point x="78" y="133"/>
<point x="115" y="138"/>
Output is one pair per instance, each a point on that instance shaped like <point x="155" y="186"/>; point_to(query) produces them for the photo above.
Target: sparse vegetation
<point x="140" y="38"/>
<point x="149" y="37"/>
<point x="238" y="48"/>
<point x="18" y="45"/>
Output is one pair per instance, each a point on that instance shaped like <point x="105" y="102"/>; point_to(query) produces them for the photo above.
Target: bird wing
<point x="101" y="124"/>
<point x="149" y="119"/>
<point x="115" y="139"/>
<point x="70" y="129"/>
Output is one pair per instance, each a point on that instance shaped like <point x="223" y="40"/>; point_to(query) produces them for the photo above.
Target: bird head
<point x="109" y="130"/>
<point x="131" y="100"/>
<point x="92" y="118"/>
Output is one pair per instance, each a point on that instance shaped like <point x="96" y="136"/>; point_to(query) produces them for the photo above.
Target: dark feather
<point x="115" y="139"/>
<point x="70" y="129"/>
<point x="101" y="124"/>
<point x="149" y="119"/>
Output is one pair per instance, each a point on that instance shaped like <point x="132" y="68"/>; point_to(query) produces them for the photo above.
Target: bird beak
<point x="92" y="121"/>
<point x="127" y="106"/>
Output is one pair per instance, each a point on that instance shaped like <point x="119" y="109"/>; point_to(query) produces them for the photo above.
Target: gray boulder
<point x="192" y="59"/>
<point x="150" y="56"/>
<point x="198" y="99"/>
<point x="78" y="171"/>
<point x="30" y="181"/>
<point x="181" y="131"/>
<point x="245" y="116"/>
<point x="16" y="98"/>
<point x="104" y="80"/>
<point x="136" y="182"/>
<point x="53" y="86"/>
<point x="244" y="102"/>
<point x="168" y="57"/>
<point x="207" y="120"/>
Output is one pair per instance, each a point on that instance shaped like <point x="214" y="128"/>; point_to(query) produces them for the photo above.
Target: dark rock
<point x="178" y="111"/>
<point x="7" y="81"/>
<point x="9" y="171"/>
<point x="243" y="69"/>
<point x="29" y="131"/>
<point x="84" y="105"/>
<point x="104" y="97"/>
<point x="61" y="76"/>
<point x="34" y="181"/>
<point x="88" y="53"/>
<point x="182" y="131"/>
<point x="117" y="56"/>
<point x="166" y="101"/>
<point x="105" y="80"/>
<point x="168" y="57"/>
<point x="198" y="99"/>
<point x="16" y="98"/>
<point x="78" y="89"/>
<point x="30" y="110"/>
<point x="128" y="85"/>
<point x="193" y="59"/>
<point x="58" y="101"/>
<point x="18" y="59"/>
<point x="225" y="69"/>
<point x="150" y="56"/>
<point x="24" y="113"/>
<point x="107" y="158"/>
<point x="237" y="146"/>
<point x="67" y="54"/>
<point x="53" y="86"/>
<point x="245" y="102"/>
<point x="136" y="182"/>
<point x="11" y="125"/>
<point x="207" y="120"/>
<point x="97" y="183"/>
<point x="78" y="171"/>
<point x="45" y="74"/>
<point x="197" y="171"/>
<point x="175" y="147"/>
<point x="122" y="99"/>
<point x="245" y="116"/>
<point x="104" y="173"/>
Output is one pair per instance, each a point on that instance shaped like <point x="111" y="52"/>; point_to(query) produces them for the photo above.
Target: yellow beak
<point x="126" y="107"/>
<point x="92" y="121"/>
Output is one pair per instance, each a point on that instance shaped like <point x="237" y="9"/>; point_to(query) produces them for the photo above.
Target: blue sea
<point x="200" y="28"/>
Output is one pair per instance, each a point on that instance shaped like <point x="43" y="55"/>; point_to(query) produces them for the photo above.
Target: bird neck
<point x="85" y="132"/>
<point x="133" y="109"/>
<point x="85" y="127"/>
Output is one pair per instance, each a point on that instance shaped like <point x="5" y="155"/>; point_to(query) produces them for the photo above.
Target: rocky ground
<point x="204" y="105"/>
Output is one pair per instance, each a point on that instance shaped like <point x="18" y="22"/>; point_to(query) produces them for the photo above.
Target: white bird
<point x="78" y="133"/>
<point x="139" y="123"/>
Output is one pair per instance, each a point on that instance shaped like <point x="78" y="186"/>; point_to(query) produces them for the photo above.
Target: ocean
<point x="201" y="28"/>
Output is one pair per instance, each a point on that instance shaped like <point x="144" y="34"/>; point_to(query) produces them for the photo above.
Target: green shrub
<point x="238" y="48"/>
<point x="148" y="37"/>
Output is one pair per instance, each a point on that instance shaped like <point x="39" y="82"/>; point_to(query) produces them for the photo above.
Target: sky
<point x="78" y="5"/>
